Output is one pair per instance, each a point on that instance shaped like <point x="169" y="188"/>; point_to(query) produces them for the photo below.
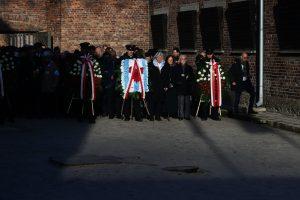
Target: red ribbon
<point x="216" y="90"/>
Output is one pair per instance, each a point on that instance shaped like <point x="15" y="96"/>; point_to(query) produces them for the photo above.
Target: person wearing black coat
<point x="170" y="104"/>
<point x="241" y="81"/>
<point x="108" y="82"/>
<point x="156" y="71"/>
<point x="184" y="84"/>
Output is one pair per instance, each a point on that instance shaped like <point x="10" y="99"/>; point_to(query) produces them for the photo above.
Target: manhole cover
<point x="85" y="160"/>
<point x="184" y="169"/>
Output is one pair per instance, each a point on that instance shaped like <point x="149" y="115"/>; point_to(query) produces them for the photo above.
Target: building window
<point x="159" y="31"/>
<point x="287" y="15"/>
<point x="241" y="25"/>
<point x="211" y="26"/>
<point x="187" y="27"/>
<point x="29" y="38"/>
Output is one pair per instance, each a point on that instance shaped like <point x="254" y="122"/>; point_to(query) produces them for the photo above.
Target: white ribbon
<point x="87" y="62"/>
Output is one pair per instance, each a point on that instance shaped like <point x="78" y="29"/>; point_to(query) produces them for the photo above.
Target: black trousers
<point x="108" y="104"/>
<point x="136" y="106"/>
<point x="184" y="106"/>
<point x="248" y="87"/>
<point x="156" y="105"/>
<point x="6" y="109"/>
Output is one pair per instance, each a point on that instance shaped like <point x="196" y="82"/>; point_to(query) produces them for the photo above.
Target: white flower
<point x="222" y="73"/>
<point x="208" y="79"/>
<point x="201" y="79"/>
<point x="224" y="78"/>
<point x="208" y="75"/>
<point x="202" y="75"/>
<point x="207" y="66"/>
<point x="198" y="80"/>
<point x="199" y="72"/>
<point x="204" y="79"/>
<point x="204" y="70"/>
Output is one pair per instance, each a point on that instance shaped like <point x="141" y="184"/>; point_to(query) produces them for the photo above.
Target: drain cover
<point x="85" y="160"/>
<point x="184" y="169"/>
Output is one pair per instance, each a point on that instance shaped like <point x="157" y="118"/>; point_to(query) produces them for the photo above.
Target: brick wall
<point x="73" y="21"/>
<point x="25" y="15"/>
<point x="110" y="22"/>
<point x="282" y="72"/>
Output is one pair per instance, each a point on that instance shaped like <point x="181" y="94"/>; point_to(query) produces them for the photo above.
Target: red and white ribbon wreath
<point x="136" y="76"/>
<point x="87" y="63"/>
<point x="215" y="84"/>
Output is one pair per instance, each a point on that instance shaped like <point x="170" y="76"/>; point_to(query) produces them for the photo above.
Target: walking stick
<point x="70" y="104"/>
<point x="131" y="112"/>
<point x="122" y="109"/>
<point x="146" y="106"/>
<point x="198" y="108"/>
<point x="92" y="104"/>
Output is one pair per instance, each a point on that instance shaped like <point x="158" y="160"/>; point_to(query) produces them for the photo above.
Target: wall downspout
<point x="261" y="55"/>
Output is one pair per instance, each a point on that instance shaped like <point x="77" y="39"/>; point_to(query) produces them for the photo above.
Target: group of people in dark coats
<point x="40" y="82"/>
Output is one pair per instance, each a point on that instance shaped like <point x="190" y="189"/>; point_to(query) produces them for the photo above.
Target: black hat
<point x="209" y="51"/>
<point x="129" y="47"/>
<point x="84" y="45"/>
<point x="152" y="52"/>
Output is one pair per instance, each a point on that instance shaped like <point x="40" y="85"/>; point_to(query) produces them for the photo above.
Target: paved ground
<point x="237" y="160"/>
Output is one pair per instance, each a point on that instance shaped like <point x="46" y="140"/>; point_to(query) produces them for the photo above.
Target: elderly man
<point x="156" y="68"/>
<point x="241" y="81"/>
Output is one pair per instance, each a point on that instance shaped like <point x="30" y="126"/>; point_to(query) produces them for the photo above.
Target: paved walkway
<point x="276" y="120"/>
<point x="114" y="159"/>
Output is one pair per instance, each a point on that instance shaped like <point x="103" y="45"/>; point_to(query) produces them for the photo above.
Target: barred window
<point x="241" y="25"/>
<point x="287" y="15"/>
<point x="187" y="27"/>
<point x="159" y="31"/>
<point x="211" y="26"/>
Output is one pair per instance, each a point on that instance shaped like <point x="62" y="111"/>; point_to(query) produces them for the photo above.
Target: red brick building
<point x="71" y="22"/>
<point x="228" y="26"/>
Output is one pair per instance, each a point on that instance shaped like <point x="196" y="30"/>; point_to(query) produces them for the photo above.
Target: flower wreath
<point x="76" y="69"/>
<point x="203" y="77"/>
<point x="7" y="62"/>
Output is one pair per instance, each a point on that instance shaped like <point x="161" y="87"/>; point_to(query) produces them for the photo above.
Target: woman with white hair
<point x="184" y="80"/>
<point x="156" y="68"/>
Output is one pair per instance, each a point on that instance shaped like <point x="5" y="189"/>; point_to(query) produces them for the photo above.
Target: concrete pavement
<point x="237" y="160"/>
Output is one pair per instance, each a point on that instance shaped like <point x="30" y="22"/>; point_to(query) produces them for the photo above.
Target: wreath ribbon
<point x="136" y="76"/>
<point x="87" y="63"/>
<point x="215" y="85"/>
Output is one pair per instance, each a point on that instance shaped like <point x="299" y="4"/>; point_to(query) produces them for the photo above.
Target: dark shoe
<point x="216" y="118"/>
<point x="251" y="112"/>
<point x="139" y="119"/>
<point x="127" y="119"/>
<point x="92" y="120"/>
<point x="111" y="116"/>
<point x="187" y="118"/>
<point x="180" y="118"/>
<point x="157" y="118"/>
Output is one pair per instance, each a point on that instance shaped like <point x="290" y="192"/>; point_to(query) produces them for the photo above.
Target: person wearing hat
<point x="156" y="72"/>
<point x="129" y="54"/>
<point x="84" y="48"/>
<point x="49" y="78"/>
